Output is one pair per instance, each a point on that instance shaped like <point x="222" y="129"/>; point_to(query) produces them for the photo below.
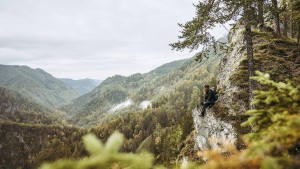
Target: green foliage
<point x="28" y="146"/>
<point x="16" y="108"/>
<point x="209" y="13"/>
<point x="276" y="122"/>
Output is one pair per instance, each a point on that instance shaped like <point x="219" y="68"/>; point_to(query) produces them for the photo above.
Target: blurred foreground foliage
<point x="106" y="156"/>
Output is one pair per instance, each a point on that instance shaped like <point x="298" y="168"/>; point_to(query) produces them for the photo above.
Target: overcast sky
<point x="92" y="38"/>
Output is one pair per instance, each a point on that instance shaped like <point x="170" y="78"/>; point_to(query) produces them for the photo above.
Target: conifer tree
<point x="260" y="8"/>
<point x="276" y="121"/>
<point x="275" y="13"/>
<point x="210" y="13"/>
<point x="285" y="18"/>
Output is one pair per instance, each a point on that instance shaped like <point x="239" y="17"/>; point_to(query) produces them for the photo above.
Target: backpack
<point x="215" y="94"/>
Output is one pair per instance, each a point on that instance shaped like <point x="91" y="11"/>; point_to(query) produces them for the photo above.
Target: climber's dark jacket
<point x="208" y="101"/>
<point x="209" y="98"/>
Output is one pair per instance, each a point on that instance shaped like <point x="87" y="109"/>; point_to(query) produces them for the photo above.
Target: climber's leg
<point x="203" y="110"/>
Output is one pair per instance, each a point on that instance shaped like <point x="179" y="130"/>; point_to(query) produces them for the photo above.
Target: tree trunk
<point x="298" y="32"/>
<point x="260" y="6"/>
<point x="276" y="17"/>
<point x="285" y="19"/>
<point x="285" y="26"/>
<point x="291" y="28"/>
<point x="249" y="48"/>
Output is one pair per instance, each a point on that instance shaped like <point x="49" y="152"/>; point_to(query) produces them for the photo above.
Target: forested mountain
<point x="139" y="91"/>
<point x="36" y="84"/>
<point x="117" y="90"/>
<point x="16" y="108"/>
<point x="81" y="86"/>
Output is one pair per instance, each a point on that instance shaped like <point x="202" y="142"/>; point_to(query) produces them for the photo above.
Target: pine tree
<point x="209" y="13"/>
<point x="276" y="121"/>
<point x="285" y="18"/>
<point x="260" y="8"/>
<point x="291" y="15"/>
<point x="195" y="33"/>
<point x="249" y="46"/>
<point x="275" y="12"/>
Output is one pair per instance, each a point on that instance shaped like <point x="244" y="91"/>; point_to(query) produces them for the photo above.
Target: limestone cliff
<point x="278" y="57"/>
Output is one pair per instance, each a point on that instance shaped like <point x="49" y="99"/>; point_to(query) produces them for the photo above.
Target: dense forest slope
<point x="28" y="146"/>
<point x="16" y="108"/>
<point x="36" y="84"/>
<point x="81" y="86"/>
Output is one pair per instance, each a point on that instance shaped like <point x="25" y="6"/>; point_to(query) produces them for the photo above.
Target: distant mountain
<point x="16" y="108"/>
<point x="82" y="86"/>
<point x="36" y="84"/>
<point x="97" y="81"/>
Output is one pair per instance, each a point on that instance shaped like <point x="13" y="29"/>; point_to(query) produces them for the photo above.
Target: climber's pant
<point x="204" y="106"/>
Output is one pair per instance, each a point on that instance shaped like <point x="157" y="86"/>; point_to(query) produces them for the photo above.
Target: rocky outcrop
<point x="278" y="57"/>
<point x="211" y="131"/>
<point x="228" y="67"/>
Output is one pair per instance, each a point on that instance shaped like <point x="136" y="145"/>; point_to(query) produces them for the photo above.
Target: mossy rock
<point x="267" y="46"/>
<point x="240" y="78"/>
<point x="278" y="52"/>
<point x="285" y="42"/>
<point x="257" y="33"/>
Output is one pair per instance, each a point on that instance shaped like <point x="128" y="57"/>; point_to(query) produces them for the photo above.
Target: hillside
<point x="81" y="86"/>
<point x="36" y="84"/>
<point x="117" y="90"/>
<point x="28" y="146"/>
<point x="16" y="108"/>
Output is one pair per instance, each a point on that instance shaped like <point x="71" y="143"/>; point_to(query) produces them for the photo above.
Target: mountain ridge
<point x="16" y="108"/>
<point x="36" y="84"/>
<point x="81" y="86"/>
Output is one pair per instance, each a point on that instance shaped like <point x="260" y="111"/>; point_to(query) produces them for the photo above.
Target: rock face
<point x="222" y="122"/>
<point x="228" y="66"/>
<point x="210" y="131"/>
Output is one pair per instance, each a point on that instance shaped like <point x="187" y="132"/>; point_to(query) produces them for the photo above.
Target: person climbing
<point x="210" y="97"/>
